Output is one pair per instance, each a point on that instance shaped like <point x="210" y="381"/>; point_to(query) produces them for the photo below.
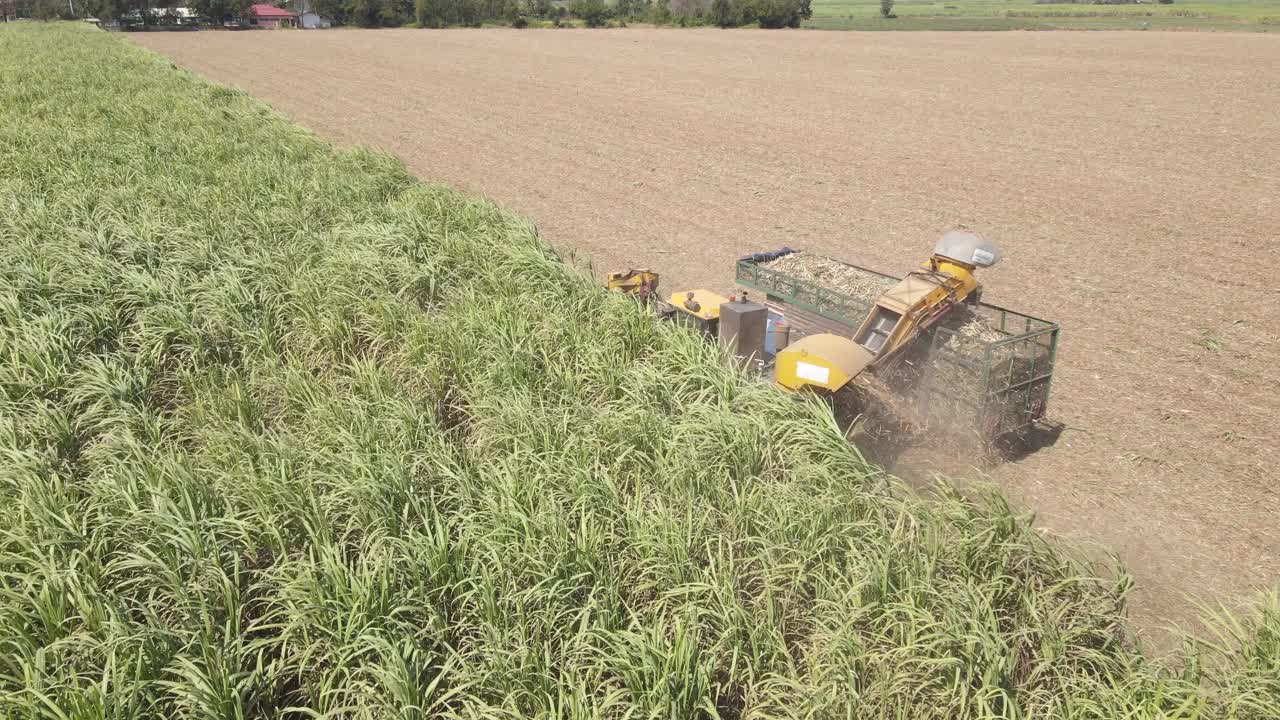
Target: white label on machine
<point x="813" y="373"/>
<point x="983" y="258"/>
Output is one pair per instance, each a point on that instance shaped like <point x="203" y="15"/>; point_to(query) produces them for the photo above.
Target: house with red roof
<point x="269" y="16"/>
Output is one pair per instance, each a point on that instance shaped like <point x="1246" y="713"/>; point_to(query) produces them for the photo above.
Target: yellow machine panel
<point x="822" y="361"/>
<point x="963" y="272"/>
<point x="699" y="308"/>
<point x="638" y="283"/>
<point x="700" y="303"/>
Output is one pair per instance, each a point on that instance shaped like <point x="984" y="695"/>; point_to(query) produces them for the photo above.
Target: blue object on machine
<point x="769" y="349"/>
<point x="766" y="256"/>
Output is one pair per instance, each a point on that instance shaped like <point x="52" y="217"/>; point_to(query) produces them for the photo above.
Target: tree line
<point x="765" y="13"/>
<point x="215" y="10"/>
<point x="599" y="13"/>
<point x="455" y="13"/>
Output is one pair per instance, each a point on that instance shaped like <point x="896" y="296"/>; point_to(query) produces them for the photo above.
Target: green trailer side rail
<point x="806" y="295"/>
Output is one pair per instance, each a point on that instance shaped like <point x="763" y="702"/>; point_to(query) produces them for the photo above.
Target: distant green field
<point x="1237" y="15"/>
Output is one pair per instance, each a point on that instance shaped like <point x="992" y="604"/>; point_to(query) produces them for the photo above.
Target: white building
<point x="184" y="15"/>
<point x="312" y="21"/>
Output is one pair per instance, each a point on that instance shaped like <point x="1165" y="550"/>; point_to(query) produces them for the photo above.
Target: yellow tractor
<point x="700" y="308"/>
<point x="640" y="284"/>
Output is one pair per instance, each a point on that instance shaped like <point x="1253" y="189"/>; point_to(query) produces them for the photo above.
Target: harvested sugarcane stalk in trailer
<point x="923" y="348"/>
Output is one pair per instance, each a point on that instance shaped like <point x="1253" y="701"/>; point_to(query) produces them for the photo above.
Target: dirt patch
<point x="1131" y="178"/>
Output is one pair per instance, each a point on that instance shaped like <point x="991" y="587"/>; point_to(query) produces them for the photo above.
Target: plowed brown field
<point x="1133" y="179"/>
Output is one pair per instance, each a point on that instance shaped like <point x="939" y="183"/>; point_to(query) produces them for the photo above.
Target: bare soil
<point x="1133" y="180"/>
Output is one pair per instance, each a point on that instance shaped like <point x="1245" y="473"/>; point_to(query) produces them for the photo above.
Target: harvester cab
<point x="898" y="317"/>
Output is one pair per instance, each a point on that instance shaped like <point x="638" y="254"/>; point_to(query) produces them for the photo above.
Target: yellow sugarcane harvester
<point x="908" y="336"/>
<point x="825" y="360"/>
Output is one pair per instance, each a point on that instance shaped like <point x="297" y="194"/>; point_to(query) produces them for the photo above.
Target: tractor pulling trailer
<point x="955" y="366"/>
